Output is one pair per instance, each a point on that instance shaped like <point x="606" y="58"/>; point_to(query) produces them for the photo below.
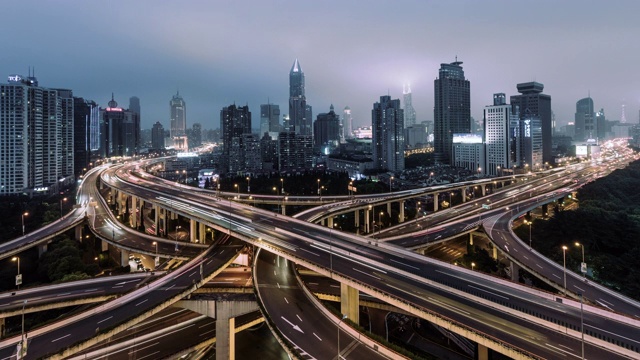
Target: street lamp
<point x="318" y="187"/>
<point x="583" y="265"/>
<point x="450" y="200"/>
<point x="339" y="321"/>
<point x="380" y="222"/>
<point x="248" y="184"/>
<point x="17" y="258"/>
<point x="282" y="185"/>
<point x="23" y="215"/>
<point x="177" y="227"/>
<point x="526" y="222"/>
<point x="473" y="265"/>
<point x="237" y="190"/>
<point x="155" y="243"/>
<point x="391" y="184"/>
<point x="564" y="265"/>
<point x="61" y="201"/>
<point x="499" y="172"/>
<point x="418" y="207"/>
<point x="368" y="229"/>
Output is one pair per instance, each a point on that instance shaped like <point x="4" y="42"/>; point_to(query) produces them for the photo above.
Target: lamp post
<point x="248" y="184"/>
<point x="583" y="265"/>
<point x="526" y="222"/>
<point x="275" y="188"/>
<point x="450" y="199"/>
<point x="473" y="265"/>
<point x="61" y="201"/>
<point x="418" y="207"/>
<point x="564" y="265"/>
<point x="367" y="223"/>
<point x="318" y="187"/>
<point x="339" y="321"/>
<point x="17" y="259"/>
<point x="177" y="227"/>
<point x="380" y="222"/>
<point x="499" y="172"/>
<point x="155" y="243"/>
<point x="282" y="186"/>
<point x="581" y="323"/>
<point x="391" y="184"/>
<point x="237" y="190"/>
<point x="23" y="215"/>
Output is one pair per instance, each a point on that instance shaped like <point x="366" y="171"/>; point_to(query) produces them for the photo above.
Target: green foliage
<point x="607" y="222"/>
<point x="415" y="160"/>
<point x="63" y="262"/>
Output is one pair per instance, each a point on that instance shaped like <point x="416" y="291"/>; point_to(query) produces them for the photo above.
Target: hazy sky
<point x="220" y="52"/>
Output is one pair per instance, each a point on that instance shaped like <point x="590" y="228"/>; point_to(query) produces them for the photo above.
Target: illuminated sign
<point x="41" y="189"/>
<point x="467" y="139"/>
<point x="527" y="128"/>
<point x="187" y="154"/>
<point x="114" y="109"/>
<point x="582" y="150"/>
<point x="15" y="78"/>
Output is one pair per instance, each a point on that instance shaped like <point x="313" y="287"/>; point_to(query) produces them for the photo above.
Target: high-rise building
<point x="36" y="137"/>
<point x="269" y="118"/>
<point x="299" y="112"/>
<point x="178" y="124"/>
<point x="119" y="131"/>
<point x="498" y="120"/>
<point x="534" y="104"/>
<point x="452" y="109"/>
<point x="585" y="120"/>
<point x="295" y="151"/>
<point x="235" y="121"/>
<point x="85" y="114"/>
<point x="601" y="123"/>
<point x="416" y="135"/>
<point x="196" y="135"/>
<point x="326" y="132"/>
<point x="347" y="123"/>
<point x="134" y="105"/>
<point x="157" y="136"/>
<point x="531" y="142"/>
<point x="387" y="119"/>
<point x="409" y="111"/>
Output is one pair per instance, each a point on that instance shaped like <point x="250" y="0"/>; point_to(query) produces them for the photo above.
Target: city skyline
<point x="213" y="64"/>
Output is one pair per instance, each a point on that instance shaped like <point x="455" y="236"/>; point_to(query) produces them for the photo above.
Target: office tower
<point x="601" y="123"/>
<point x="51" y="136"/>
<point x="65" y="99"/>
<point x="157" y="136"/>
<point x="14" y="137"/>
<point x="468" y="152"/>
<point x="269" y="118"/>
<point x="252" y="154"/>
<point x="409" y="111"/>
<point x="585" y="120"/>
<point x="286" y="122"/>
<point x="299" y="111"/>
<point x="326" y="132"/>
<point x="269" y="152"/>
<point x="235" y="121"/>
<point x="416" y="135"/>
<point x="387" y="119"/>
<point x="196" y="135"/>
<point x="531" y="141"/>
<point x="452" y="108"/>
<point x="498" y="119"/>
<point x="85" y="114"/>
<point x="119" y="131"/>
<point x="534" y="104"/>
<point x="347" y="123"/>
<point x="178" y="123"/>
<point x="134" y="105"/>
<point x="623" y="115"/>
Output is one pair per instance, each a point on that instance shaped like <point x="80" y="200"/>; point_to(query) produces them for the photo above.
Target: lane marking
<point x="285" y="299"/>
<point x="141" y="302"/>
<point x="362" y="272"/>
<point x="401" y="263"/>
<point x="101" y="321"/>
<point x="60" y="338"/>
<point x="318" y="337"/>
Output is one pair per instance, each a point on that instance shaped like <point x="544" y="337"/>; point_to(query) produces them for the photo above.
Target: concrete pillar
<point x="192" y="230"/>
<point x="483" y="353"/>
<point x="367" y="223"/>
<point x="323" y="222"/>
<point x="134" y="214"/>
<point x="470" y="238"/>
<point x="42" y="249"/>
<point x="104" y="246"/>
<point x="464" y="194"/>
<point x="124" y="257"/>
<point x="350" y="303"/>
<point x="401" y="216"/>
<point x="78" y="232"/>
<point x="484" y="189"/>
<point x="515" y="272"/>
<point x="202" y="235"/>
<point x="3" y="329"/>
<point x="356" y="216"/>
<point x="389" y="208"/>
<point x="156" y="217"/>
<point x="494" y="254"/>
<point x="330" y="222"/>
<point x="284" y="209"/>
<point x="435" y="202"/>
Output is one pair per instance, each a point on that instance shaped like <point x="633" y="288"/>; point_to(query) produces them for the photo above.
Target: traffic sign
<point x="18" y="279"/>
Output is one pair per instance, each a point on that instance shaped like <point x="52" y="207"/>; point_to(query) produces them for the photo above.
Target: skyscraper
<point x="534" y="104"/>
<point x="269" y="118"/>
<point x="387" y="119"/>
<point x="326" y="132"/>
<point x="235" y="121"/>
<point x="452" y="109"/>
<point x="498" y="119"/>
<point x="85" y="114"/>
<point x="347" y="123"/>
<point x="157" y="136"/>
<point x="409" y="111"/>
<point x="119" y="131"/>
<point x="300" y="122"/>
<point x="178" y="124"/>
<point x="585" y="118"/>
<point x="65" y="100"/>
<point x="134" y="105"/>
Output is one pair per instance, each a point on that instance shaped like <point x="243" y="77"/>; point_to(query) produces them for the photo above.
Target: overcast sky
<point x="352" y="52"/>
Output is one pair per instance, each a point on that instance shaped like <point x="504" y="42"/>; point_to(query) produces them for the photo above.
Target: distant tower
<point x="347" y="123"/>
<point x="134" y="105"/>
<point x="452" y="108"/>
<point x="623" y="116"/>
<point x="409" y="111"/>
<point x="585" y="120"/>
<point x="178" y="115"/>
<point x="269" y="118"/>
<point x="298" y="108"/>
<point x="534" y="104"/>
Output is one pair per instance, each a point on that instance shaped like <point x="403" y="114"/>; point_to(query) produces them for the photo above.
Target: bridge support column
<point x="202" y="235"/>
<point x="192" y="230"/>
<point x="350" y="302"/>
<point x="435" y="202"/>
<point x="494" y="253"/>
<point x="356" y="216"/>
<point x="367" y="222"/>
<point x="515" y="272"/>
<point x="389" y="209"/>
<point x="484" y="189"/>
<point x="284" y="209"/>
<point x="3" y="329"/>
<point x="42" y="249"/>
<point x="330" y="222"/>
<point x="470" y="238"/>
<point x="156" y="217"/>
<point x="124" y="258"/>
<point x="78" y="232"/>
<point x="133" y="217"/>
<point x="401" y="216"/>
<point x="104" y="246"/>
<point x="482" y="353"/>
<point x="464" y="194"/>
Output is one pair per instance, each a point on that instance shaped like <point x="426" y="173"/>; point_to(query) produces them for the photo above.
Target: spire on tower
<point x="296" y="67"/>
